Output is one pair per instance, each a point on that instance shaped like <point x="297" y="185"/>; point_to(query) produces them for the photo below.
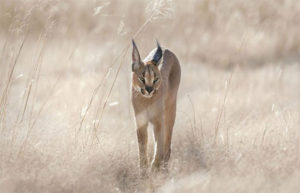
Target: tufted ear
<point x="158" y="55"/>
<point x="136" y="59"/>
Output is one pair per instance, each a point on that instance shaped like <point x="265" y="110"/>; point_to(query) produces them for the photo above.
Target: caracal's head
<point x="146" y="77"/>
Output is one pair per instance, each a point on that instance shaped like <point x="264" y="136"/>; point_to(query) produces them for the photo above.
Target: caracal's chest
<point x="148" y="109"/>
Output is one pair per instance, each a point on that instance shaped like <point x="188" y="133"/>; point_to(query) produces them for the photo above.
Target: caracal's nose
<point x="149" y="89"/>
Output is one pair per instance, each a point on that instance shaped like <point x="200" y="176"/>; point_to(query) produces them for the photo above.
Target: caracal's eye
<point x="142" y="79"/>
<point x="155" y="80"/>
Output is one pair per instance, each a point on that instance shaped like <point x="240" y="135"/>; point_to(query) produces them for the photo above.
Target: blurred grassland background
<point x="66" y="122"/>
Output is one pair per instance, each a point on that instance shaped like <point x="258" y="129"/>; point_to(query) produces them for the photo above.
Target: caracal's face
<point x="147" y="79"/>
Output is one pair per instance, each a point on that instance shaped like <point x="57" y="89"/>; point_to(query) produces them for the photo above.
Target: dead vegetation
<point x="66" y="120"/>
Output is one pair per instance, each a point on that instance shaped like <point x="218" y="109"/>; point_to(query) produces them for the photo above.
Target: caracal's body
<point x="155" y="82"/>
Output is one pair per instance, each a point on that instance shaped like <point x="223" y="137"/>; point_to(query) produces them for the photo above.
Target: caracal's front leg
<point x="142" y="136"/>
<point x="159" y="144"/>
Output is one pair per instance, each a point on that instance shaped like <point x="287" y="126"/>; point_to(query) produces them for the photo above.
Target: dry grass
<point x="65" y="114"/>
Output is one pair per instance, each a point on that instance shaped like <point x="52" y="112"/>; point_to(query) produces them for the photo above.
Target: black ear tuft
<point x="158" y="54"/>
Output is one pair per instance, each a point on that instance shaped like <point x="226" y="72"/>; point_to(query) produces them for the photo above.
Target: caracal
<point x="155" y="82"/>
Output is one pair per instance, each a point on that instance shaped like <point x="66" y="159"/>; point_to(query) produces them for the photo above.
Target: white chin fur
<point x="147" y="95"/>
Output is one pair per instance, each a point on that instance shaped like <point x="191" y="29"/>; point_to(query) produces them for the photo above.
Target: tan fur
<point x="159" y="109"/>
